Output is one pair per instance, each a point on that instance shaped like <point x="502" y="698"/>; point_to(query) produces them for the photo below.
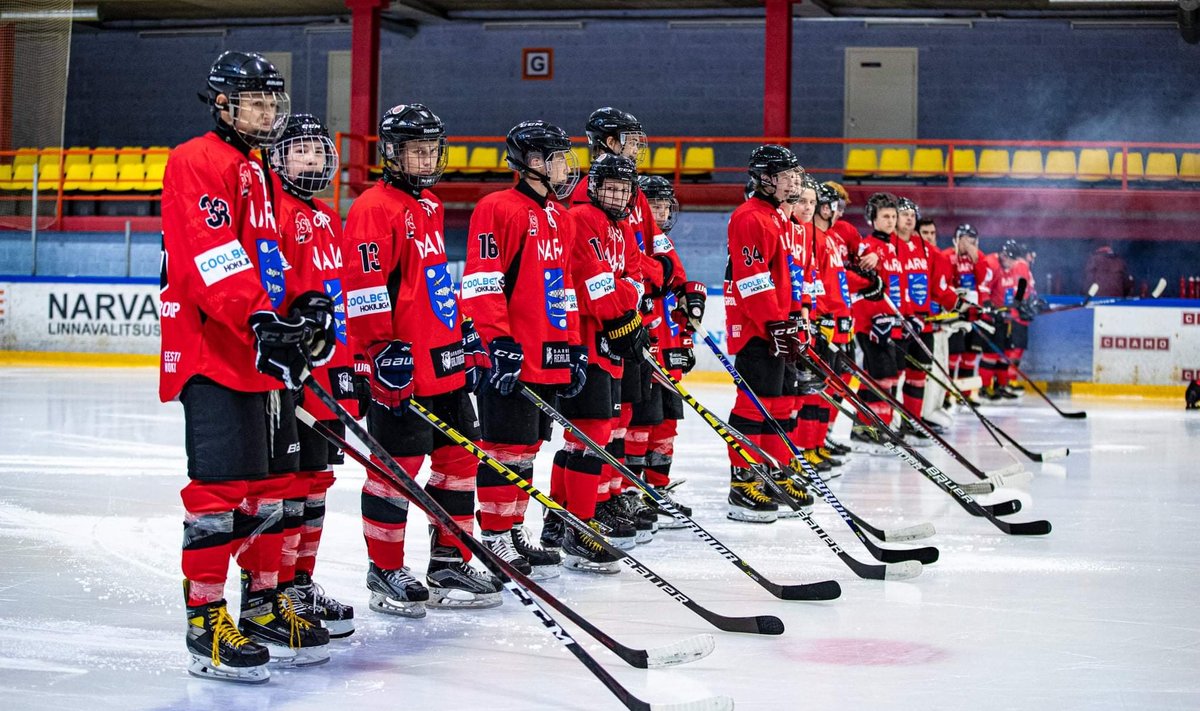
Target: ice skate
<point x="665" y="520"/>
<point x="748" y="501"/>
<point x="581" y="552"/>
<point x="454" y="584"/>
<point x="913" y="436"/>
<point x="269" y="619"/>
<point x="621" y="531"/>
<point x="865" y="441"/>
<point x="794" y="490"/>
<point x="545" y="562"/>
<point x="219" y="651"/>
<point x="552" y="531"/>
<point x="396" y="592"/>
<point x="501" y="543"/>
<point x="311" y="601"/>
<point x="645" y="521"/>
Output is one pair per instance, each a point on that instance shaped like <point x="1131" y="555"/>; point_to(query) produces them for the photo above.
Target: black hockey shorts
<point x="514" y="419"/>
<point x="763" y="372"/>
<point x="1019" y="336"/>
<point x="649" y="410"/>
<point x="635" y="381"/>
<point x="407" y="434"/>
<point x="232" y="435"/>
<point x="958" y="341"/>
<point x="600" y="398"/>
<point x="879" y="359"/>
<point x="317" y="453"/>
<point x="913" y="349"/>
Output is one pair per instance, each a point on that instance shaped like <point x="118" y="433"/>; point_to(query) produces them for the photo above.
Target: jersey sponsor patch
<point x="844" y="286"/>
<point x="601" y="285"/>
<point x="894" y="288"/>
<point x="797" y="274"/>
<point x="663" y="244"/>
<point x="670" y="303"/>
<point x="333" y="289"/>
<point x="364" y="302"/>
<point x="966" y="281"/>
<point x="223" y="261"/>
<point x="556" y="354"/>
<point x="570" y="303"/>
<point x="482" y="284"/>
<point x="441" y="294"/>
<point x="447" y="360"/>
<point x="554" y="297"/>
<point x="755" y="284"/>
<point x="270" y="270"/>
<point x="918" y="288"/>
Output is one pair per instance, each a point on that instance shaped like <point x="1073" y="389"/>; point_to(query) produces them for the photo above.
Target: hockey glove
<point x="683" y="358"/>
<point x="874" y="290"/>
<point x="966" y="310"/>
<point x="280" y="345"/>
<point x="391" y="374"/>
<point x="626" y="335"/>
<point x="475" y="359"/>
<point x="579" y="363"/>
<point x="784" y="341"/>
<point x="1026" y="311"/>
<point x="916" y="323"/>
<point x="668" y="269"/>
<point x="881" y="328"/>
<point x="507" y="358"/>
<point x="317" y="311"/>
<point x="691" y="299"/>
<point x="803" y="330"/>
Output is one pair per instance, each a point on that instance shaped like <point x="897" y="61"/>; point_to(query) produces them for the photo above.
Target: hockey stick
<point x="823" y="590"/>
<point x="994" y="429"/>
<point x="895" y="445"/>
<point x="924" y="556"/>
<point x="762" y="624"/>
<point x="520" y="585"/>
<point x="1054" y="454"/>
<point x="733" y="437"/>
<point x="1159" y="288"/>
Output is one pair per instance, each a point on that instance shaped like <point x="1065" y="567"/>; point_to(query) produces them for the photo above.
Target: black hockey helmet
<point x="1013" y="249"/>
<point x="304" y="157"/>
<point x="421" y="167"/>
<point x="826" y="195"/>
<point x="547" y="142"/>
<point x="621" y="125"/>
<point x="966" y="230"/>
<point x="657" y="188"/>
<point x="604" y="170"/>
<point x="766" y="162"/>
<point x="877" y="202"/>
<point x="250" y="83"/>
<point x="907" y="205"/>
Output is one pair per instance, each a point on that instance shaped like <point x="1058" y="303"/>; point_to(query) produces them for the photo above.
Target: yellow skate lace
<point x="296" y="623"/>
<point x="590" y="541"/>
<point x="223" y="630"/>
<point x="753" y="491"/>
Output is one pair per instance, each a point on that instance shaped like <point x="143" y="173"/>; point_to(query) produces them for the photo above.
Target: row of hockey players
<point x="567" y="289"/>
<point x="802" y="281"/>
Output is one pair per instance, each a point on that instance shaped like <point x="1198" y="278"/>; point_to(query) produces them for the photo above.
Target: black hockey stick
<point x="823" y="590"/>
<point x="762" y="624"/>
<point x="924" y="555"/>
<point x="894" y="444"/>
<point x="516" y="582"/>
<point x="994" y="429"/>
<point x="1159" y="287"/>
<point x="1005" y="359"/>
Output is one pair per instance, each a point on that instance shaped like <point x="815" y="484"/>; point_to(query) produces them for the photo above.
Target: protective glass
<point x="561" y="168"/>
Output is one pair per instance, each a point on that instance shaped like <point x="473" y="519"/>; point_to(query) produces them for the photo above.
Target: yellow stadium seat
<point x="48" y="177"/>
<point x="1189" y="167"/>
<point x="129" y="177"/>
<point x="1026" y="164"/>
<point x="894" y="162"/>
<point x="6" y="171"/>
<point x="154" y="178"/>
<point x="130" y="154"/>
<point x="456" y="158"/>
<point x="927" y="162"/>
<point x="1135" y="169"/>
<point x="484" y="159"/>
<point x="584" y="157"/>
<point x="643" y="160"/>
<point x="104" y="154"/>
<point x="1161" y="167"/>
<point x="25" y="156"/>
<point x="964" y="162"/>
<point x="1060" y="165"/>
<point x="79" y="177"/>
<point x="49" y="156"/>
<point x="157" y="154"/>
<point x="104" y="177"/>
<point x="22" y="178"/>
<point x="1093" y="165"/>
<point x="861" y="162"/>
<point x="699" y="160"/>
<point x="664" y="161"/>
<point x="75" y="155"/>
<point x="993" y="163"/>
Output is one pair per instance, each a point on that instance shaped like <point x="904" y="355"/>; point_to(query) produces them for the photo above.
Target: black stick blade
<point x="824" y="590"/>
<point x="1026" y="528"/>
<point x="1004" y="508"/>
<point x="769" y="624"/>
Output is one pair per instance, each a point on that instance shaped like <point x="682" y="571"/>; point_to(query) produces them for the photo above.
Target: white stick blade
<point x="1060" y="453"/>
<point x="1005" y="471"/>
<point x="1020" y="479"/>
<point x="1093" y="290"/>
<point x="682" y="652"/>
<point x="713" y="703"/>
<point x="904" y="570"/>
<point x="978" y="488"/>
<point x="1159" y="288"/>
<point x="912" y="533"/>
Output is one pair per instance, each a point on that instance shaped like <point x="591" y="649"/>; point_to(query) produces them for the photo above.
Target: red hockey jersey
<point x="220" y="263"/>
<point x="925" y="288"/>
<point x="607" y="266"/>
<point x="398" y="284"/>
<point x="517" y="281"/>
<point x="759" y="286"/>
<point x="891" y="271"/>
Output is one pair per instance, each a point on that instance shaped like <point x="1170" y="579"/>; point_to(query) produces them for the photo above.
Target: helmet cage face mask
<point x="306" y="163"/>
<point x="558" y="170"/>
<point x="419" y="161"/>
<point x="259" y="117"/>
<point x="784" y="186"/>
<point x="634" y="146"/>
<point x="668" y="205"/>
<point x="613" y="195"/>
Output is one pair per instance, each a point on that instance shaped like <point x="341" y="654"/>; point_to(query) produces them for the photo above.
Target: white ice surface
<point x="1101" y="614"/>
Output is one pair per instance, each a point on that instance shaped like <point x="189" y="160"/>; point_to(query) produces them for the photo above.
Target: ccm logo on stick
<point x="1136" y="343"/>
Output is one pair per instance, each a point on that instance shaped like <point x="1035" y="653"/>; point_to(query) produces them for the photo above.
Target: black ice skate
<point x="311" y="602"/>
<point x="396" y="592"/>
<point x="218" y="650"/>
<point x="501" y="543"/>
<point x="546" y="562"/>
<point x="913" y="436"/>
<point x="621" y="531"/>
<point x="665" y="520"/>
<point x="552" y="531"/>
<point x="454" y="584"/>
<point x="747" y="501"/>
<point x="1191" y="396"/>
<point x="645" y="521"/>
<point x="839" y="449"/>
<point x="269" y="619"/>
<point x="865" y="440"/>
<point x="794" y="491"/>
<point x="583" y="553"/>
<point x="814" y="458"/>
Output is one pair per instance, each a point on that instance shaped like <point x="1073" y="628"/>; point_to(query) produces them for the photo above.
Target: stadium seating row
<point x="698" y="161"/>
<point x="1092" y="164"/>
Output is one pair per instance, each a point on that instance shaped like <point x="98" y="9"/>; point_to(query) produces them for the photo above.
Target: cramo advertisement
<point x="79" y="317"/>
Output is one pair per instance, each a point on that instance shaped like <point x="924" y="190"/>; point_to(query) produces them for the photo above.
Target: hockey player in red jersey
<point x="1012" y="326"/>
<point x="410" y="339"/>
<point x="876" y="326"/>
<point x="606" y="264"/>
<point x="763" y="314"/>
<point x="310" y="235"/>
<point x="517" y="286"/>
<point x="925" y="290"/>
<point x="973" y="275"/>
<point x="224" y="306"/>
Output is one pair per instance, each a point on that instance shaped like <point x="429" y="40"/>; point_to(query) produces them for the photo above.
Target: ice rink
<point x="1100" y="614"/>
